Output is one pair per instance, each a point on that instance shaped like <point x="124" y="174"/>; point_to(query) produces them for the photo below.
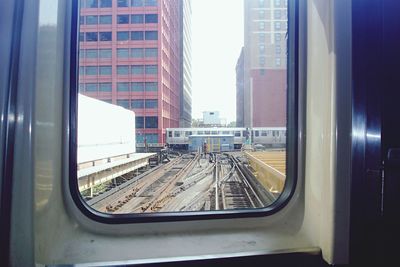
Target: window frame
<point x="294" y="114"/>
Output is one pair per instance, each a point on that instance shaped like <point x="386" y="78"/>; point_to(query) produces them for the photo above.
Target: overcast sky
<point x="217" y="38"/>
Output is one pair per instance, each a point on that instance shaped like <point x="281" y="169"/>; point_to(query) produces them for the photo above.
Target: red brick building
<point x="264" y="60"/>
<point x="130" y="55"/>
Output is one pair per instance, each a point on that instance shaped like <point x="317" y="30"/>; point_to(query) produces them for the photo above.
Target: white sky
<point x="217" y="38"/>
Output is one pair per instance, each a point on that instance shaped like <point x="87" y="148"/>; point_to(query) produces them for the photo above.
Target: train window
<point x="146" y="86"/>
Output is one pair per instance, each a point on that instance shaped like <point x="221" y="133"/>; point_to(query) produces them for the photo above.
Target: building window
<point x="122" y="53"/>
<point x="91" y="20"/>
<point x="105" y="19"/>
<point x="105" y="87"/>
<point x="137" y="52"/>
<point x="261" y="25"/>
<point x="137" y="2"/>
<point x="137" y="69"/>
<point x="151" y="103"/>
<point x="91" y="53"/>
<point x="105" y="36"/>
<point x="151" y="35"/>
<point x="262" y="61"/>
<point x="264" y="133"/>
<point x="123" y="87"/>
<point x="277" y="25"/>
<point x="91" y="4"/>
<point x="151" y="86"/>
<point x="123" y="19"/>
<point x="122" y="36"/>
<point x="81" y="37"/>
<point x="261" y="3"/>
<point x="91" y="70"/>
<point x="137" y="87"/>
<point x="82" y="20"/>
<point x="151" y="122"/>
<point x="151" y="52"/>
<point x="262" y="72"/>
<point x="139" y="122"/>
<point x="278" y="49"/>
<point x="137" y="19"/>
<point x="91" y="37"/>
<point x="277" y="3"/>
<point x="152" y="138"/>
<point x="105" y="53"/>
<point x="91" y="87"/>
<point x="151" y="69"/>
<point x="122" y="3"/>
<point x="150" y="2"/>
<point x="261" y="14"/>
<point x="81" y="87"/>
<point x="137" y="35"/>
<point x="123" y="70"/>
<point x="278" y="61"/>
<point x="137" y="103"/>
<point x="151" y="18"/>
<point x="105" y="70"/>
<point x="123" y="103"/>
<point x="105" y="3"/>
<point x="81" y="70"/>
<point x="277" y="14"/>
<point x="277" y="37"/>
<point x="262" y="48"/>
<point x="261" y="37"/>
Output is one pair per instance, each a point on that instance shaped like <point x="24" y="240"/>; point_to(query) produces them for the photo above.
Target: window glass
<point x="105" y="53"/>
<point x="91" y="70"/>
<point x="91" y="87"/>
<point x="105" y="70"/>
<point x="137" y="19"/>
<point x="105" y="87"/>
<point x="123" y="87"/>
<point x="137" y="52"/>
<point x="137" y="86"/>
<point x="151" y="18"/>
<point x="153" y="58"/>
<point x="151" y="52"/>
<point x="151" y="122"/>
<point x="137" y="69"/>
<point x="122" y="3"/>
<point x="123" y="103"/>
<point x="151" y="103"/>
<point x="122" y="36"/>
<point x="137" y="35"/>
<point x="105" y="19"/>
<point x="91" y="3"/>
<point x="91" y="20"/>
<point x="150" y="2"/>
<point x="105" y="3"/>
<point x="140" y="124"/>
<point x="151" y="69"/>
<point x="122" y="19"/>
<point x="91" y="37"/>
<point x="137" y="103"/>
<point x="123" y="53"/>
<point x="122" y="70"/>
<point x="136" y="3"/>
<point x="151" y="86"/>
<point x="151" y="35"/>
<point x="91" y="53"/>
<point x="105" y="36"/>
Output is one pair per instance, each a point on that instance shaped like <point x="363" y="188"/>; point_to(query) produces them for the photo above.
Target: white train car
<point x="266" y="136"/>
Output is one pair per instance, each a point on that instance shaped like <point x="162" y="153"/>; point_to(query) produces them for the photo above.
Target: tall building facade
<point x="240" y="90"/>
<point x="186" y="65"/>
<point x="130" y="55"/>
<point x="265" y="60"/>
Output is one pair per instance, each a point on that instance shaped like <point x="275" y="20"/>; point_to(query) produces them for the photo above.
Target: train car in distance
<point x="268" y="137"/>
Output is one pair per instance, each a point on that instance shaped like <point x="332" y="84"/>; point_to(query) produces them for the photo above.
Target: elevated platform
<point x="101" y="170"/>
<point x="269" y="168"/>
